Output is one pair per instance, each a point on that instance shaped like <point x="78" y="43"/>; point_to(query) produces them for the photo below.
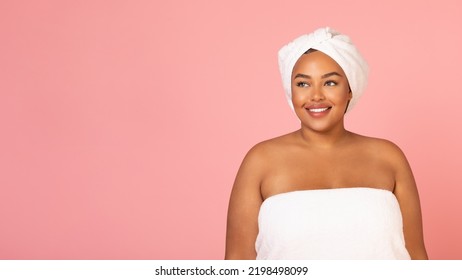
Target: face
<point x="320" y="92"/>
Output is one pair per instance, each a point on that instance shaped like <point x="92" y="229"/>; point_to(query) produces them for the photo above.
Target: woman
<point x="323" y="192"/>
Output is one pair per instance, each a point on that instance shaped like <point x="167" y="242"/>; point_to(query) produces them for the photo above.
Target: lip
<point x="318" y="111"/>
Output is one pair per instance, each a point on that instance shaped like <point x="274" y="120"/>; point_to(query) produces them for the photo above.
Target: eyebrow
<point x="322" y="77"/>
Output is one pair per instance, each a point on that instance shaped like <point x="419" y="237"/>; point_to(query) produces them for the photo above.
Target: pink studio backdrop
<point x="123" y="123"/>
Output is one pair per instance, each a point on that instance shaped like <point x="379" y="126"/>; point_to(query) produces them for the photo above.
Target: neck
<point x="324" y="139"/>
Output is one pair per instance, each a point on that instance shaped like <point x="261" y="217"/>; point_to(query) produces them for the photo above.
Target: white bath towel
<point x="345" y="223"/>
<point x="338" y="46"/>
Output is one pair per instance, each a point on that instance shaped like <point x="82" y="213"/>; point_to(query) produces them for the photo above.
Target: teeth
<point x="318" y="110"/>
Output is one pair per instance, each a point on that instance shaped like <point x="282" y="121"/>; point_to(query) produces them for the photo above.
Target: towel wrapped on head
<point x="337" y="46"/>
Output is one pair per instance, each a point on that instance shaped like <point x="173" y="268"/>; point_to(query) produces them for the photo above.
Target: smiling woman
<point x="323" y="192"/>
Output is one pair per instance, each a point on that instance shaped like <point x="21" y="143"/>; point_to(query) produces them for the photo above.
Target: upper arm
<point x="244" y="206"/>
<point x="407" y="195"/>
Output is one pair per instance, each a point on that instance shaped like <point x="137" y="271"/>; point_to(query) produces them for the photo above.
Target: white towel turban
<point x="337" y="46"/>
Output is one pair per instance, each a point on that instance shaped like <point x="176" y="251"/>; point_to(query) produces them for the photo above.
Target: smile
<point x="319" y="110"/>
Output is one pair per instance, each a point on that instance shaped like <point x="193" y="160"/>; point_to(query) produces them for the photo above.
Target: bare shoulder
<point x="382" y="147"/>
<point x="259" y="160"/>
<point x="271" y="147"/>
<point x="278" y="142"/>
<point x="390" y="154"/>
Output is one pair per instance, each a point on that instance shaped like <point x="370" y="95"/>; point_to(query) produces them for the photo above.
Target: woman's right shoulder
<point x="267" y="149"/>
<point x="259" y="160"/>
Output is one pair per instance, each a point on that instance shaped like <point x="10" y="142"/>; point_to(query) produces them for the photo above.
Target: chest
<point x="302" y="171"/>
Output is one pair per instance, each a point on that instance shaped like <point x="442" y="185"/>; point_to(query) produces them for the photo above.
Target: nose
<point x="317" y="94"/>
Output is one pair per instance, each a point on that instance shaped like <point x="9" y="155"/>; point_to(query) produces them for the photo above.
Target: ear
<point x="350" y="96"/>
<point x="348" y="104"/>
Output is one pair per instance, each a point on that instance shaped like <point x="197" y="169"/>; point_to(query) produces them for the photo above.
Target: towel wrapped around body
<point x="342" y="223"/>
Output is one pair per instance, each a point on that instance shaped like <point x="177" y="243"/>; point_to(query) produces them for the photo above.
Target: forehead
<point x="316" y="63"/>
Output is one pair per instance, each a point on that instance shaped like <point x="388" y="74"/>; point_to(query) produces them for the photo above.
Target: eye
<point x="330" y="83"/>
<point x="302" y="84"/>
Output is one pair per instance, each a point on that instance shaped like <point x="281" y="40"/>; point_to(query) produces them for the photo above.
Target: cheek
<point x="294" y="93"/>
<point x="297" y="97"/>
<point x="340" y="95"/>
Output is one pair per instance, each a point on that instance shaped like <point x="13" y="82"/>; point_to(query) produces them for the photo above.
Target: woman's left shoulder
<point x="383" y="147"/>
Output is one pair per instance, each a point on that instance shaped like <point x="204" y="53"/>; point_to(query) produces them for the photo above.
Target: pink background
<point x="123" y="123"/>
